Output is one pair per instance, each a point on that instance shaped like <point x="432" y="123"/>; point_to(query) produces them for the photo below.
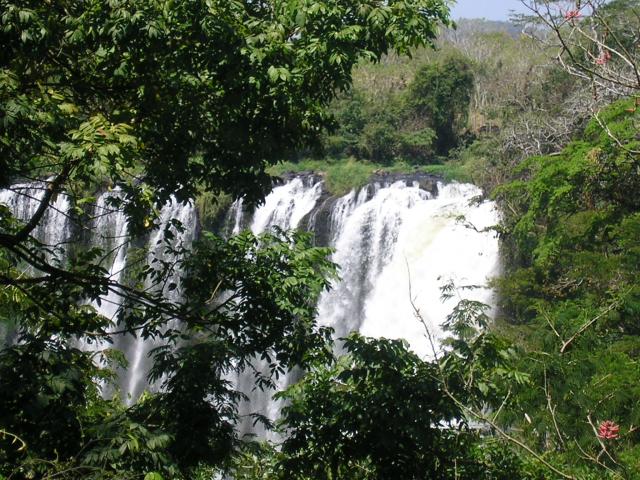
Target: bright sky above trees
<point x="490" y="9"/>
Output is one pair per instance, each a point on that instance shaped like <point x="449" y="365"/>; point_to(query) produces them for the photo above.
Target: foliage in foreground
<point x="574" y="297"/>
<point x="161" y="100"/>
<point x="49" y="387"/>
<point x="378" y="413"/>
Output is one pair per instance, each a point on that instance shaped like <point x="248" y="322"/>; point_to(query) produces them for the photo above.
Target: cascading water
<point x="235" y="216"/>
<point x="135" y="381"/>
<point x="395" y="240"/>
<point x="285" y="207"/>
<point x="111" y="233"/>
<point x="343" y="209"/>
<point x="403" y="245"/>
<point x="53" y="230"/>
<point x="107" y="230"/>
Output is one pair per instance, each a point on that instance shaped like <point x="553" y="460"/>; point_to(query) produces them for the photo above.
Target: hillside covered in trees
<point x="127" y="106"/>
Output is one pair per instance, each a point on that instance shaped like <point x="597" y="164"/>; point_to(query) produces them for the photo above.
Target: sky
<point x="489" y="9"/>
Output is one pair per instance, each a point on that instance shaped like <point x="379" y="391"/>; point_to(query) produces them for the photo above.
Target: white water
<point x="384" y="237"/>
<point x="110" y="233"/>
<point x="287" y="205"/>
<point x="387" y="238"/>
<point x="53" y="230"/>
<point x="400" y="237"/>
<point x="108" y="230"/>
<point x="344" y="208"/>
<point x="138" y="353"/>
<point x="236" y="215"/>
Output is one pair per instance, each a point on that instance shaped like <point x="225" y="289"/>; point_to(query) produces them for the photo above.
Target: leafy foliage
<point x="270" y="286"/>
<point x="441" y="92"/>
<point x="574" y="290"/>
<point x="415" y="123"/>
<point x="162" y="100"/>
<point x="378" y="413"/>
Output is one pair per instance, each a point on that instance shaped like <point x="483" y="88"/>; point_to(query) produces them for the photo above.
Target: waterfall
<point x="54" y="229"/>
<point x="235" y="216"/>
<point x="160" y="250"/>
<point x="287" y="205"/>
<point x="394" y="242"/>
<point x="343" y="209"/>
<point x="111" y="234"/>
<point x="403" y="245"/>
<point x="397" y="239"/>
<point x="108" y="230"/>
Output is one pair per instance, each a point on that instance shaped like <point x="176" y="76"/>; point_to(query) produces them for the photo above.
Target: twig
<point x="504" y="402"/>
<point x="552" y="410"/>
<point x="582" y="329"/>
<point x="470" y="411"/>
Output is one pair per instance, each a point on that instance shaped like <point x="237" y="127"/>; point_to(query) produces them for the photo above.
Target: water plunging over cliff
<point x="404" y="244"/>
<point x="388" y="237"/>
<point x="395" y="239"/>
<point x="108" y="230"/>
<point x="53" y="230"/>
<point x="138" y="350"/>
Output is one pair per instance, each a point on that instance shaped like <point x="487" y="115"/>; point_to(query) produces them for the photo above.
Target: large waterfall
<point x="397" y="241"/>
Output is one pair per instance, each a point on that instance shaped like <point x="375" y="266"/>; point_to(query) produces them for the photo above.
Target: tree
<point x="571" y="296"/>
<point x="595" y="40"/>
<point x="440" y="93"/>
<point x="162" y="100"/>
<point x="378" y="413"/>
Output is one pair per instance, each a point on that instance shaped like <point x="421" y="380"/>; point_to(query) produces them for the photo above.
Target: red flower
<point x="608" y="430"/>
<point x="604" y="58"/>
<point x="572" y="14"/>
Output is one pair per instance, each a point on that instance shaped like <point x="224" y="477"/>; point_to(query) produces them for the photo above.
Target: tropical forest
<point x="319" y="240"/>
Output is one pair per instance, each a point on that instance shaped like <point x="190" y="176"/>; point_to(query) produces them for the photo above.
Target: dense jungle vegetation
<point x="205" y="100"/>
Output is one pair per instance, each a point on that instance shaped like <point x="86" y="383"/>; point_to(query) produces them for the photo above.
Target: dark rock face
<point x="307" y="178"/>
<point x="319" y="220"/>
<point x="425" y="181"/>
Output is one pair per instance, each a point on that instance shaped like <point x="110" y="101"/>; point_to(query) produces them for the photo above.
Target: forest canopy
<point x="198" y="102"/>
